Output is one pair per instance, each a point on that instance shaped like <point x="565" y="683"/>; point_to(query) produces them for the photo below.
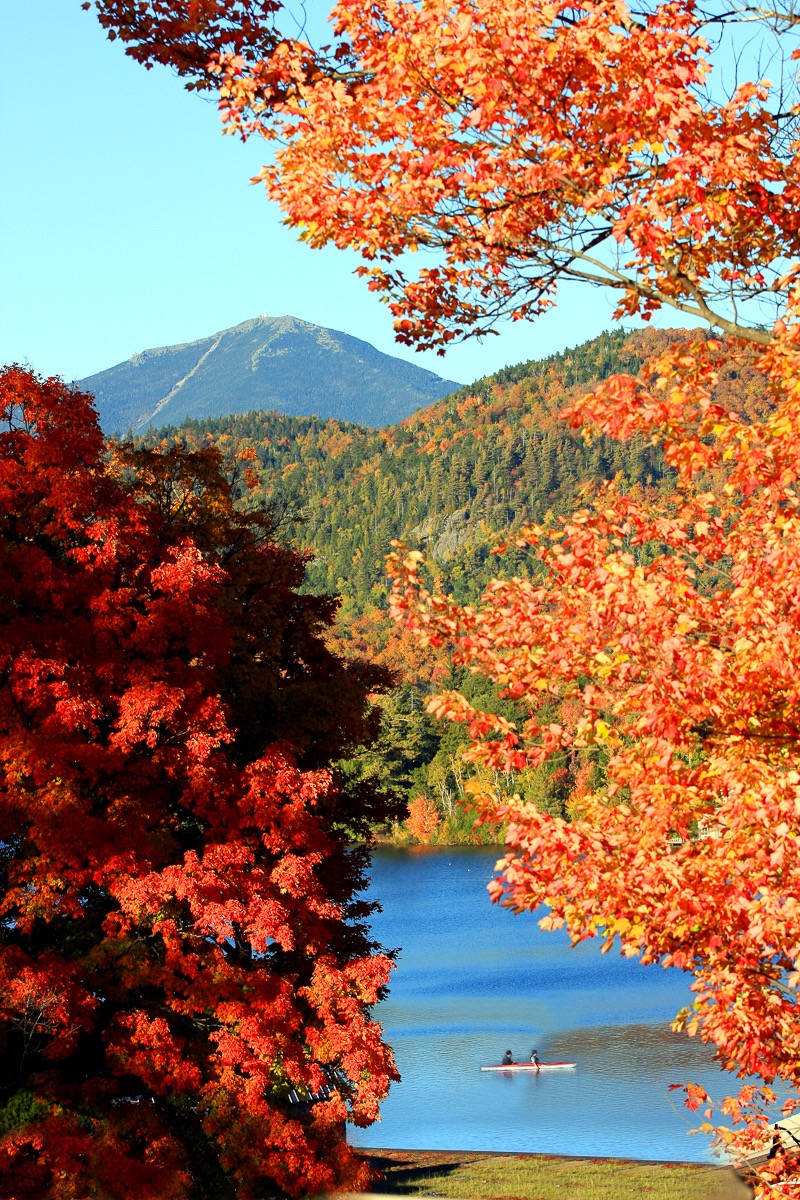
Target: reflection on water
<point x="473" y="980"/>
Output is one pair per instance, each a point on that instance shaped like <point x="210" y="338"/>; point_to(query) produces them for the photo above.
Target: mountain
<point x="278" y="363"/>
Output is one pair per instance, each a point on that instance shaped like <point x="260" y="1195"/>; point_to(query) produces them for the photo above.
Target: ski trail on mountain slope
<point x="176" y="388"/>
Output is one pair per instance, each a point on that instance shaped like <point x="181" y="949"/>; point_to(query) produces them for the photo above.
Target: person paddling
<point x="507" y="1059"/>
<point x="535" y="1059"/>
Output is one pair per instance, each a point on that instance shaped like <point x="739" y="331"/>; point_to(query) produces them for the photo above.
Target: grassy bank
<point x="472" y="1176"/>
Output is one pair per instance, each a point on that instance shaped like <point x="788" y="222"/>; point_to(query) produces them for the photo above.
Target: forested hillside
<point x="454" y="479"/>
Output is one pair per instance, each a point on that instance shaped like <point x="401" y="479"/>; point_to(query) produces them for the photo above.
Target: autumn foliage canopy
<point x="185" y="974"/>
<point x="511" y="146"/>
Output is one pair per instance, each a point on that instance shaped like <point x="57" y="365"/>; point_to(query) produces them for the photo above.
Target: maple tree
<point x="186" y="973"/>
<point x="187" y="34"/>
<point x="669" y="629"/>
<point x="527" y="143"/>
<point x="423" y="819"/>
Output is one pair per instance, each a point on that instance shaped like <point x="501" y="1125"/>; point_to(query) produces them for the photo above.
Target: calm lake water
<point x="474" y="980"/>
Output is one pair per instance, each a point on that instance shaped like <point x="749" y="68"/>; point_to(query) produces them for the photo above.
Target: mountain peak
<point x="282" y="363"/>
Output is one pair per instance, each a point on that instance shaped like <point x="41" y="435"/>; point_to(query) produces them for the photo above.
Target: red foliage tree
<point x="185" y="972"/>
<point x="522" y="142"/>
<point x="188" y="34"/>
<point x="670" y="630"/>
<point x="423" y="819"/>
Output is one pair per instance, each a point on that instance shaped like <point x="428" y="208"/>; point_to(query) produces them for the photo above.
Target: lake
<point x="474" y="980"/>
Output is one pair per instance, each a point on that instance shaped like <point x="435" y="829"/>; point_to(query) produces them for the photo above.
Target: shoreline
<point x="407" y="843"/>
<point x="414" y="1151"/>
<point x="523" y="1175"/>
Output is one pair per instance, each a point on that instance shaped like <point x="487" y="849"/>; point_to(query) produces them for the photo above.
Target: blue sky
<point x="128" y="221"/>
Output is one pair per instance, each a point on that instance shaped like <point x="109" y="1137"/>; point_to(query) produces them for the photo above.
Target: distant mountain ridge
<point x="279" y="363"/>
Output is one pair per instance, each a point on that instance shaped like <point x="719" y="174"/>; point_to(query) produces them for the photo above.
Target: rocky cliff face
<point x="278" y="363"/>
